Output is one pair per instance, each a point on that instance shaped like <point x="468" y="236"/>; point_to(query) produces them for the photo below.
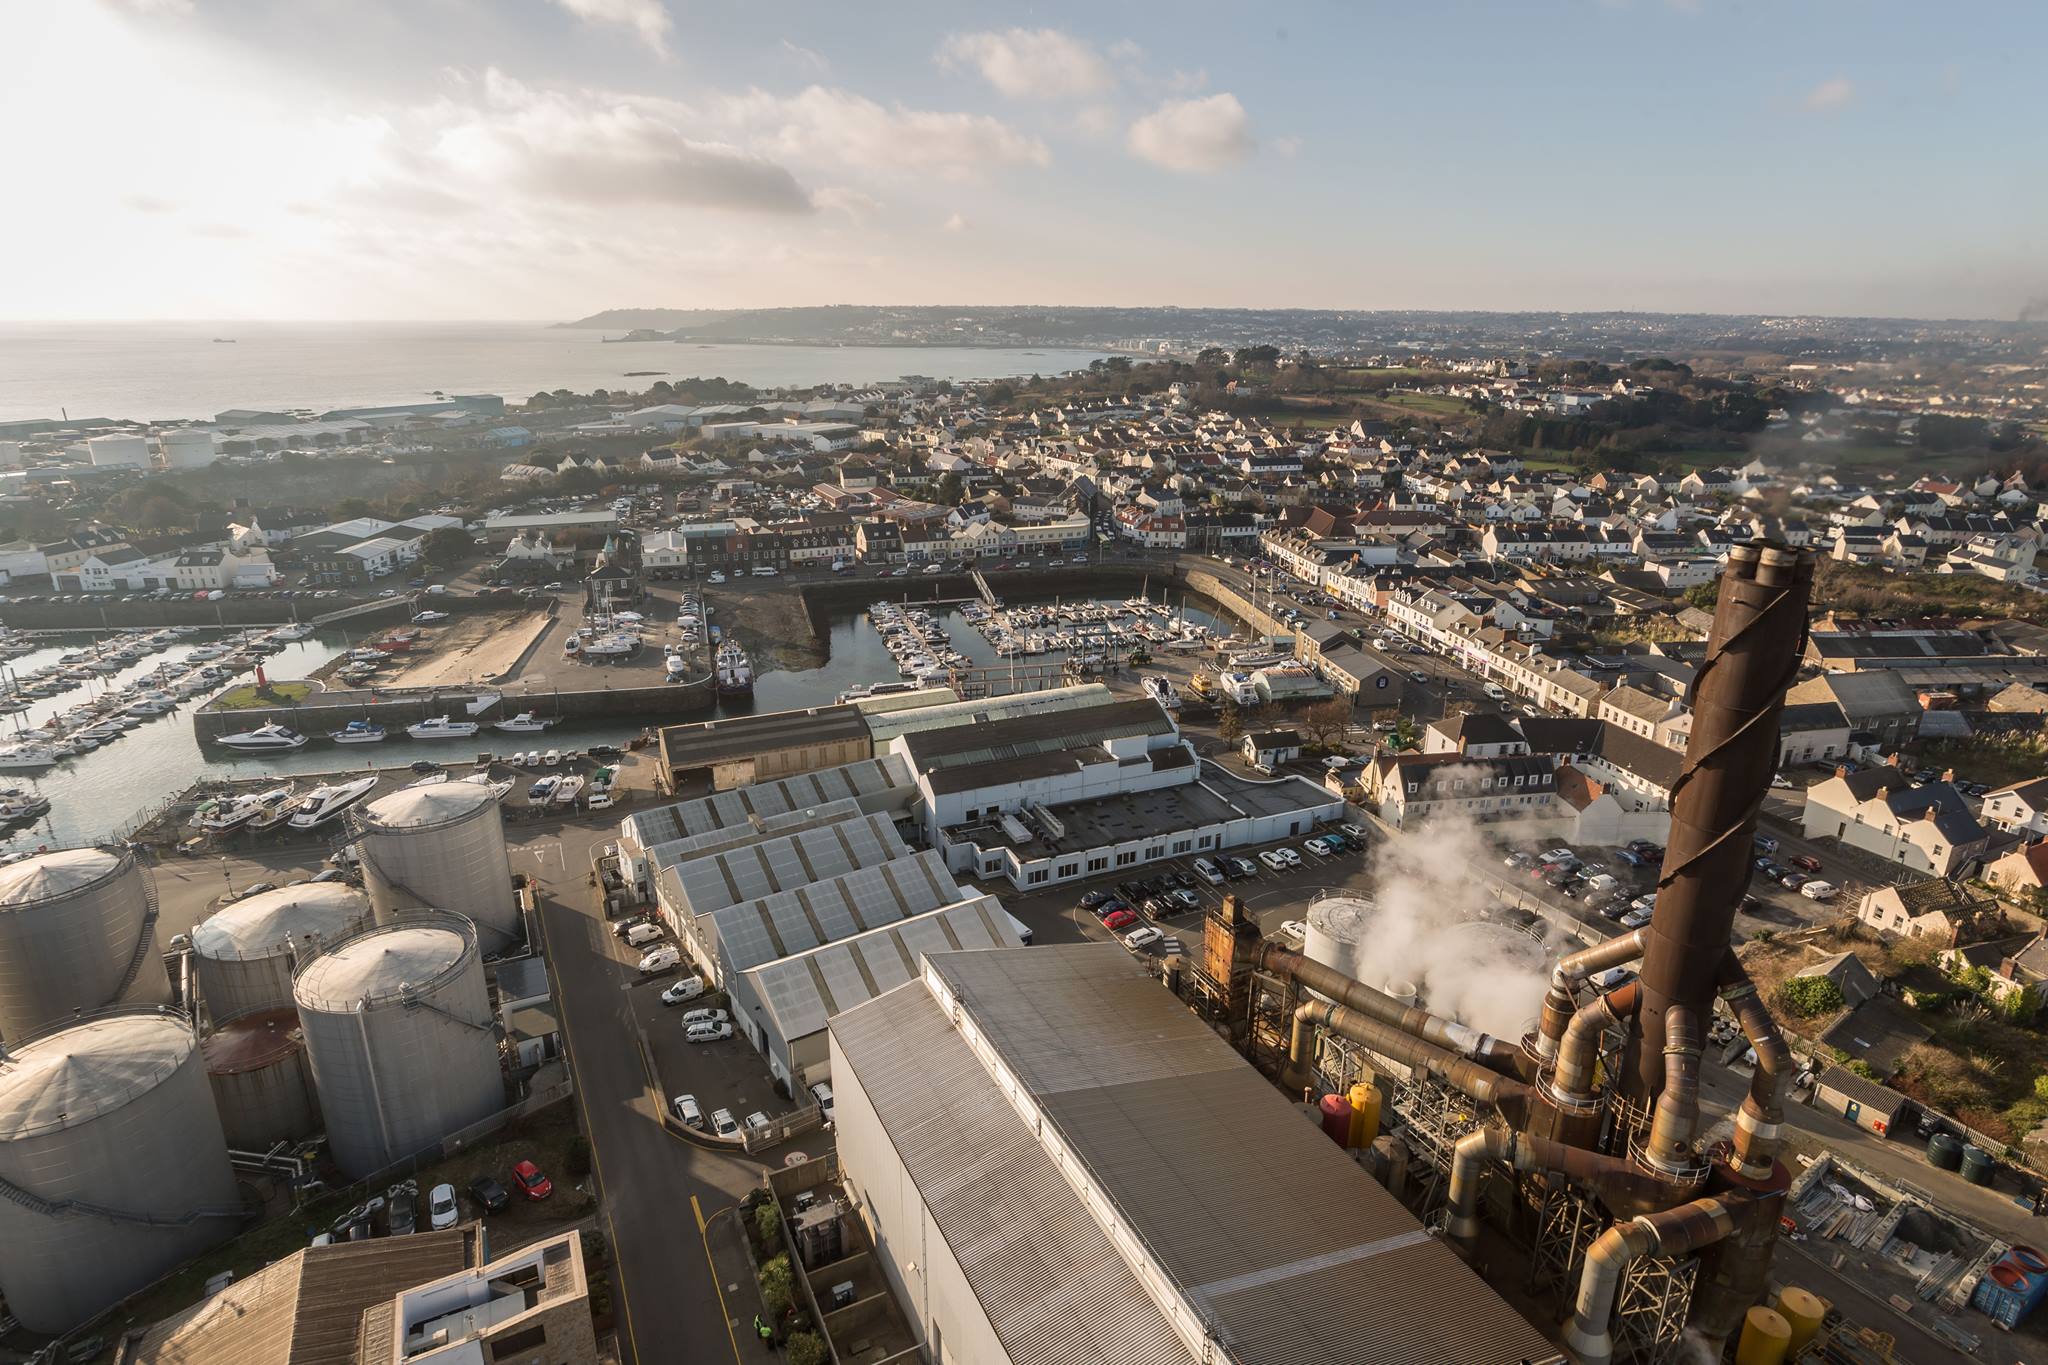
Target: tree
<point x="349" y="508"/>
<point x="1230" y="724"/>
<point x="951" y="489"/>
<point x="778" y="1287"/>
<point x="807" y="1348"/>
<point x="579" y="480"/>
<point x="1327" y="722"/>
<point x="1704" y="595"/>
<point x="1808" y="996"/>
<point x="767" y="1220"/>
<point x="446" y="546"/>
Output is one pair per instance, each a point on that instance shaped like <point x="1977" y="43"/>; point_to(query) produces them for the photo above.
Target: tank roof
<point x="252" y="1042"/>
<point x="50" y="875"/>
<point x="378" y="964"/>
<point x="419" y="807"/>
<point x="259" y="925"/>
<point x="68" y="1076"/>
<point x="1343" y="917"/>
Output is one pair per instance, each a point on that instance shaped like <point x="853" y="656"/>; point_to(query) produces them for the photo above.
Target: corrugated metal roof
<point x="762" y="869"/>
<point x="806" y="917"/>
<point x="1287" y="1249"/>
<point x="865" y="780"/>
<point x="1055" y="1291"/>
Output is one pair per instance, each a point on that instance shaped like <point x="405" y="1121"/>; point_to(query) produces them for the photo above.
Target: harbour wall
<point x="324" y="711"/>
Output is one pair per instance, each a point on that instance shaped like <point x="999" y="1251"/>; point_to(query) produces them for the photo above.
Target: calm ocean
<point x="166" y="370"/>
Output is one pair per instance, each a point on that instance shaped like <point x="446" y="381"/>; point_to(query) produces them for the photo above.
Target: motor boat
<point x="543" y="790"/>
<point x="262" y="739"/>
<point x="275" y="812"/>
<point x="440" y="727"/>
<point x="525" y="723"/>
<point x="325" y="803"/>
<point x="735" y="671"/>
<point x="231" y="813"/>
<point x="301" y="630"/>
<point x="497" y="789"/>
<point x="358" y="732"/>
<point x="567" y="790"/>
<point x="430" y="780"/>
<point x="26" y="757"/>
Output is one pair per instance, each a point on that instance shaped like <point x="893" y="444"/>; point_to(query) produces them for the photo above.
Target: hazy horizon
<point x="225" y="160"/>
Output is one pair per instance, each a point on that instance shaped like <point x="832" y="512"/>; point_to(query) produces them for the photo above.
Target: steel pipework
<point x="1465" y="1076"/>
<point x="1579" y="1054"/>
<point x="1561" y="1001"/>
<point x="1311" y="975"/>
<point x="1759" y="1123"/>
<point x="1671" y="1232"/>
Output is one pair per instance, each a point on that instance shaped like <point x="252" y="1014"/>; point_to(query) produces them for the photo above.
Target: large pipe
<point x="1467" y="1077"/>
<point x="1753" y="656"/>
<point x="1613" y="1175"/>
<point x="1561" y="1001"/>
<point x="1760" y="1120"/>
<point x="1670" y="1232"/>
<point x="1677" y="1116"/>
<point x="1311" y="975"/>
<point x="1578" y="1056"/>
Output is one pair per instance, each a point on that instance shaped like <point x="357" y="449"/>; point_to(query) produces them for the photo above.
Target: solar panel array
<point x="723" y="810"/>
<point x="804" y="991"/>
<point x="802" y="918"/>
<point x="761" y="869"/>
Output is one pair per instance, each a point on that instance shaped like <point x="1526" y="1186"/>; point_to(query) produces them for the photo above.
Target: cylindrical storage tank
<point x="72" y="925"/>
<point x="186" y="448"/>
<point x="1336" y="1112"/>
<point x="112" y="1111"/>
<point x="246" y="951"/>
<point x="1766" y="1338"/>
<point x="1336" y="933"/>
<point x="1945" y="1150"/>
<point x="398" y="1026"/>
<point x="1407" y="992"/>
<point x="440" y="848"/>
<point x="262" y="1082"/>
<point x="118" y="450"/>
<point x="1804" y="1311"/>
<point x="1978" y="1164"/>
<point x="1365" y="1115"/>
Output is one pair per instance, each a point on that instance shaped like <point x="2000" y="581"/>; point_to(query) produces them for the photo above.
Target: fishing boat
<point x="497" y="789"/>
<point x="440" y="727"/>
<point x="567" y="790"/>
<point x="358" y="732"/>
<point x="735" y="671"/>
<point x="525" y="723"/>
<point x="262" y="739"/>
<point x="325" y="803"/>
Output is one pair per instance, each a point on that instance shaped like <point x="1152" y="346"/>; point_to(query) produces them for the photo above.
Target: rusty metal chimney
<point x="1753" y="656"/>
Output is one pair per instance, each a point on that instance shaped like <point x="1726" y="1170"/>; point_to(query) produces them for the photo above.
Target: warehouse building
<point x="706" y="884"/>
<point x="1038" y="1190"/>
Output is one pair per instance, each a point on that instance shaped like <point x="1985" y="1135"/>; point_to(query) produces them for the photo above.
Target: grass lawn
<point x="1435" y="404"/>
<point x="277" y="694"/>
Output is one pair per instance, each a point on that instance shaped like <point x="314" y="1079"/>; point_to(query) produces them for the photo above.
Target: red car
<point x="1805" y="862"/>
<point x="1121" y="919"/>
<point x="529" y="1179"/>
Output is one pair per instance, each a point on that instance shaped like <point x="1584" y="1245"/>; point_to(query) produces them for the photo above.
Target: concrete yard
<point x="468" y="650"/>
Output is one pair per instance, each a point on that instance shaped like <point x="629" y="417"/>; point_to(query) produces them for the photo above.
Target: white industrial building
<point x="118" y="451"/>
<point x="1059" y="796"/>
<point x="1040" y="1188"/>
<point x="186" y="448"/>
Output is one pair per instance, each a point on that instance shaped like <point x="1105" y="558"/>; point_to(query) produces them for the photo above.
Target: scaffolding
<point x="1567" y="1221"/>
<point x="1650" y="1310"/>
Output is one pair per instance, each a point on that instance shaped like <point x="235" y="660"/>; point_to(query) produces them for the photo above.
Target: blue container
<point x="2002" y="1295"/>
<point x="2034" y="1266"/>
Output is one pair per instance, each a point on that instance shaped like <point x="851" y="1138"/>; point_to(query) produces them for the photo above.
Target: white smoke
<point x="1429" y="881"/>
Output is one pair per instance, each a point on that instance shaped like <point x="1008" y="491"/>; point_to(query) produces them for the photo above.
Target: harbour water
<point x="177" y="370"/>
<point x="105" y="793"/>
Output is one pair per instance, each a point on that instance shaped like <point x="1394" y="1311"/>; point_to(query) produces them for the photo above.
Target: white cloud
<point x="154" y="6"/>
<point x="1195" y="134"/>
<point x="1288" y="147"/>
<point x="149" y="203"/>
<point x="1831" y="94"/>
<point x="956" y="223"/>
<point x="804" y="59"/>
<point x="837" y="126"/>
<point x="1041" y="63"/>
<point x="1095" y="120"/>
<point x="855" y="204"/>
<point x="647" y="18"/>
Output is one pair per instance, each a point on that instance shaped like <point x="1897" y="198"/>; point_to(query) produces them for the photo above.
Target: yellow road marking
<point x="704" y="1233"/>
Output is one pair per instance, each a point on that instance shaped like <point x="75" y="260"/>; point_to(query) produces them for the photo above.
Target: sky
<point x="475" y="159"/>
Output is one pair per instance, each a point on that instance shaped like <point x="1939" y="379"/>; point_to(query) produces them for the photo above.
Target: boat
<point x="25" y="757"/>
<point x="325" y="803"/>
<point x="300" y="630"/>
<point x="440" y="727"/>
<point x="430" y="780"/>
<point x="275" y="812"/>
<point x="262" y="738"/>
<point x="525" y="723"/>
<point x="735" y="671"/>
<point x="233" y="812"/>
<point x="540" y="792"/>
<point x="567" y="790"/>
<point x="497" y="789"/>
<point x="358" y="732"/>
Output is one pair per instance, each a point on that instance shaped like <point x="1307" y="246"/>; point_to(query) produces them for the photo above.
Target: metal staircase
<point x="143" y="942"/>
<point x="79" y="1208"/>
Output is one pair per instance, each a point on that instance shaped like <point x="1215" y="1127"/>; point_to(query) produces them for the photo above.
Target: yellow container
<point x="1803" y="1310"/>
<point x="1766" y="1338"/>
<point x="1365" y="1115"/>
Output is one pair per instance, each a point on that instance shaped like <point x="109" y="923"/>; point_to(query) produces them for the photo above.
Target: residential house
<point x="2022" y="871"/>
<point x="1811" y="732"/>
<point x="1934" y="908"/>
<point x="2020" y="808"/>
<point x="1927" y="829"/>
<point x="211" y="569"/>
<point x="1268" y="749"/>
<point x="1475" y="734"/>
<point x="1880" y="704"/>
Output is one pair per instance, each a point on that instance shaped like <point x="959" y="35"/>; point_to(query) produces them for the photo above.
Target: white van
<point x="1495" y="691"/>
<point x="642" y="934"/>
<point x="765" y="571"/>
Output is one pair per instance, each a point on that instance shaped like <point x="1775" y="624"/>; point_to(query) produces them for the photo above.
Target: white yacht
<point x="24" y="757"/>
<point x="263" y="737"/>
<point x="525" y="723"/>
<point x="358" y="732"/>
<point x="498" y="790"/>
<point x="232" y="813"/>
<point x="298" y="631"/>
<point x="440" y="727"/>
<point x="322" y="804"/>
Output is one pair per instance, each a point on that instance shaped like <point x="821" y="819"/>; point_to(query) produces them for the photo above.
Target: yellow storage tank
<point x="1365" y="1115"/>
<point x="1766" y="1338"/>
<point x="1804" y="1310"/>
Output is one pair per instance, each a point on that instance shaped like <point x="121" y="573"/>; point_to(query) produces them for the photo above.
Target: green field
<point x="1434" y="404"/>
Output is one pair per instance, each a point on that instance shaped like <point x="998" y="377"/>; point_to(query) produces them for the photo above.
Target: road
<point x="652" y="1186"/>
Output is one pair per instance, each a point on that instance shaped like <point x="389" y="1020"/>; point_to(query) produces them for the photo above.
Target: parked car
<point x="707" y="1033"/>
<point x="1764" y="843"/>
<point x="1634" y="919"/>
<point x="1818" y="891"/>
<point x="724" y="1124"/>
<point x="1208" y="872"/>
<point x="1108" y="908"/>
<point x="661" y="959"/>
<point x="1805" y="862"/>
<point x="689" y="988"/>
<point x="442" y="1210"/>
<point x="822" y="1093"/>
<point x="489" y="1193"/>
<point x="707" y="1016"/>
<point x="1239" y="868"/>
<point x="531" y="1182"/>
<point x="757" y="1122"/>
<point x="1121" y="919"/>
<point x="401" y="1215"/>
<point x="1294" y="928"/>
<point x="1091" y="899"/>
<point x="1793" y="881"/>
<point x="1321" y="847"/>
<point x="1272" y="859"/>
<point x="688" y="1112"/>
<point x="1139" y="939"/>
<point x="1519" y="860"/>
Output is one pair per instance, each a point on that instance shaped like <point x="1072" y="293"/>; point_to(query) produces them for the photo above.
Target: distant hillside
<point x="658" y="319"/>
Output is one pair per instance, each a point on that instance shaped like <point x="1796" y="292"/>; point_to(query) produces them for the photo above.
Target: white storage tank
<point x="440" y="847"/>
<point x="262" y="1082"/>
<point x="186" y="448"/>
<point x="74" y="926"/>
<point x="1336" y="934"/>
<point x="398" y="1026"/>
<point x="118" y="450"/>
<point x="110" y="1141"/>
<point x="245" y="952"/>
